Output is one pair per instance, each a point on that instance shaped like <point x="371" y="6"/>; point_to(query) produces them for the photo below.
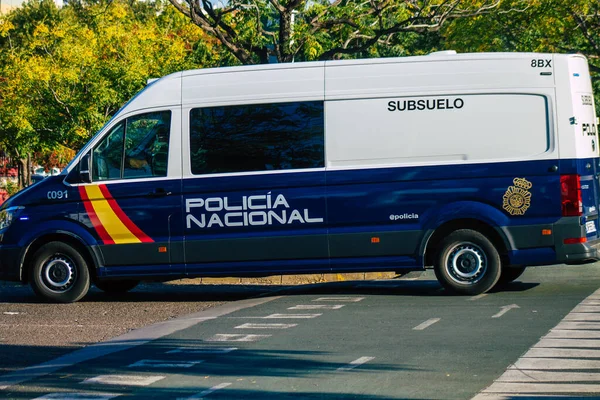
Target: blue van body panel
<point x="534" y="256"/>
<point x="368" y="219"/>
<point x="255" y="218"/>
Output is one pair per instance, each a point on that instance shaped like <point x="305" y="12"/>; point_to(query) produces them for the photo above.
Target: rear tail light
<point x="575" y="240"/>
<point x="570" y="193"/>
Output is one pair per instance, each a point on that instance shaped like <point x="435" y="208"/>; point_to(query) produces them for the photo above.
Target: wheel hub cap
<point x="466" y="263"/>
<point x="58" y="273"/>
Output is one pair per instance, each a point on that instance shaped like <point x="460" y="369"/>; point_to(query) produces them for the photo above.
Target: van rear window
<point x="257" y="137"/>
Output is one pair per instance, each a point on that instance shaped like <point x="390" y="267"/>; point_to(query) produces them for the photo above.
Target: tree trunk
<point x="21" y="173"/>
<point x="28" y="172"/>
<point x="24" y="175"/>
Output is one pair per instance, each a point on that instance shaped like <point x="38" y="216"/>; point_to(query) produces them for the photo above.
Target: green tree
<point x="65" y="71"/>
<point x="562" y="26"/>
<point x="255" y="31"/>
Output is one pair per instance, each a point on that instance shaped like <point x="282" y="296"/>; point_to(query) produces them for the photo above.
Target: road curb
<point x="293" y="279"/>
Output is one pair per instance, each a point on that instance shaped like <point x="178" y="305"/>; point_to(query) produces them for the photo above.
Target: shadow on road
<point x="148" y="292"/>
<point x="160" y="292"/>
<point x="241" y="368"/>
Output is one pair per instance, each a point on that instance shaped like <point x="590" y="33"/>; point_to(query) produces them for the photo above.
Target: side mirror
<point x="84" y="169"/>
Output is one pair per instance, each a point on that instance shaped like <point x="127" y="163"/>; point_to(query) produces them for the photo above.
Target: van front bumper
<point x="10" y="268"/>
<point x="579" y="253"/>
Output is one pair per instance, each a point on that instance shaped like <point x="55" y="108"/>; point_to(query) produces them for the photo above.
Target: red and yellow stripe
<point x="111" y="223"/>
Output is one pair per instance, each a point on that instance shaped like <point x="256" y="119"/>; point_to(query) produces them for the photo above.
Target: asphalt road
<point x="32" y="331"/>
<point x="354" y="340"/>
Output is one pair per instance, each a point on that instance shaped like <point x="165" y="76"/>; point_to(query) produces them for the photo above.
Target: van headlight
<point x="8" y="215"/>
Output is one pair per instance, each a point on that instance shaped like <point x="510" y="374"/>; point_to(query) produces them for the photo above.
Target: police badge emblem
<point x="517" y="198"/>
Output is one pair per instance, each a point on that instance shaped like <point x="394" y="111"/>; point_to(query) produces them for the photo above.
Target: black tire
<point x="509" y="274"/>
<point x="59" y="273"/>
<point x="116" y="286"/>
<point x="467" y="263"/>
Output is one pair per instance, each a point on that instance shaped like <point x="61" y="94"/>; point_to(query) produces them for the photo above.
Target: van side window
<point x="136" y="148"/>
<point x="108" y="155"/>
<point x="257" y="137"/>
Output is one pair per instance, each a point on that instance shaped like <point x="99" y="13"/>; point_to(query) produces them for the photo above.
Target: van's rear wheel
<point x="59" y="273"/>
<point x="467" y="263"/>
<point x="116" y="286"/>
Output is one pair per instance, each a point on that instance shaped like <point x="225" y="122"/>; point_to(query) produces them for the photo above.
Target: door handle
<point x="159" y="192"/>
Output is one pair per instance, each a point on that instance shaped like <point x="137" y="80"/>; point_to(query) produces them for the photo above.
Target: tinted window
<point x="257" y="137"/>
<point x="108" y="155"/>
<point x="137" y="147"/>
<point x="146" y="145"/>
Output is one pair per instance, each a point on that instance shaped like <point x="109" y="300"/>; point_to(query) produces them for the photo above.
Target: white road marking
<point x="566" y="360"/>
<point x="572" y="334"/>
<point x="317" y="307"/>
<point x="356" y="363"/>
<point x="124" y="380"/>
<point x="426" y="324"/>
<point x="129" y="340"/>
<point x="587" y="309"/>
<point x="292" y="316"/>
<point x="265" y="326"/>
<point x="523" y="388"/>
<point x="78" y="396"/>
<point x="505" y="309"/>
<point x="479" y="296"/>
<point x="207" y="391"/>
<point x="570" y="343"/>
<point x="11" y="313"/>
<point x="205" y="350"/>
<point x="562" y="353"/>
<point x="582" y="317"/>
<point x="569" y="325"/>
<point x="164" y="364"/>
<point x="555" y="364"/>
<point x="229" y="337"/>
<point x="515" y="375"/>
<point x="344" y="298"/>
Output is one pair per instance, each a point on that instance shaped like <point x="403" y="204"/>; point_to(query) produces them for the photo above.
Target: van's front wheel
<point x="467" y="263"/>
<point x="59" y="273"/>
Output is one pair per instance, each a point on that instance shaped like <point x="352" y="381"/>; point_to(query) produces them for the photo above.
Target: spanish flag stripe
<point x="133" y="228"/>
<point x="104" y="236"/>
<point x="111" y="222"/>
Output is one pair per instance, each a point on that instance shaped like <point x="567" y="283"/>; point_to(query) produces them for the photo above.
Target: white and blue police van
<point x="476" y="164"/>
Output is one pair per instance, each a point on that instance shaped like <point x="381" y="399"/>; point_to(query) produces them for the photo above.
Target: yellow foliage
<point x="41" y="30"/>
<point x="5" y="27"/>
<point x="118" y="10"/>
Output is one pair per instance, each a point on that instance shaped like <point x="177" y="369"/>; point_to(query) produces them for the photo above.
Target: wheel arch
<point x="89" y="253"/>
<point x="434" y="237"/>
